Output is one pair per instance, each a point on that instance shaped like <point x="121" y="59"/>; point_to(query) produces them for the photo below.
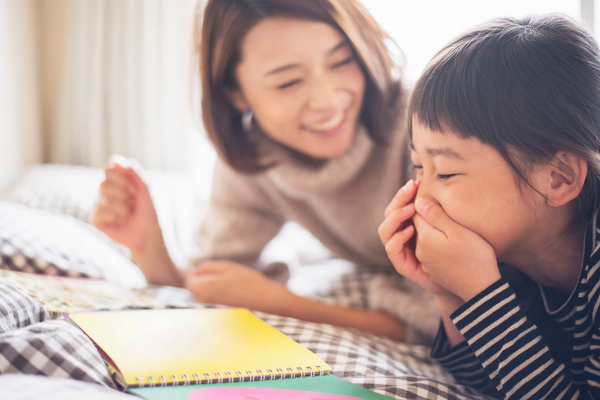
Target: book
<point x="59" y="294"/>
<point x="327" y="387"/>
<point x="148" y="348"/>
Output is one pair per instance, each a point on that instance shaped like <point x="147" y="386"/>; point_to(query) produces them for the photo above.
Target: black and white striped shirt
<point x="505" y="350"/>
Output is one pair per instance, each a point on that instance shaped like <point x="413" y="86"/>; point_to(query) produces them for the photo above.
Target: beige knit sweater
<point x="341" y="202"/>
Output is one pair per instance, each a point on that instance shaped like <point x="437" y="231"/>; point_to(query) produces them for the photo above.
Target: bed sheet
<point x="45" y="358"/>
<point x="34" y="347"/>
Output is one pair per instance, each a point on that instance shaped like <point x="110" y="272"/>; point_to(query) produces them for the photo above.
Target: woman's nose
<point x="323" y="94"/>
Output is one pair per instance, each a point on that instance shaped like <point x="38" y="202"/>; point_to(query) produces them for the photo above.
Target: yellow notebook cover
<point x="192" y="346"/>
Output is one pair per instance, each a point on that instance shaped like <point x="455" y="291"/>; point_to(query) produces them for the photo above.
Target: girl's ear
<point x="236" y="97"/>
<point x="566" y="175"/>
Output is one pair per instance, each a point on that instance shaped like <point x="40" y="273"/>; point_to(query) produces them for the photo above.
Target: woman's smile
<point x="329" y="126"/>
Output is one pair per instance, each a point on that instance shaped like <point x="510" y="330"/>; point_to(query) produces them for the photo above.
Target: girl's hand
<point x="453" y="256"/>
<point x="397" y="233"/>
<point x="124" y="210"/>
<point x="233" y="284"/>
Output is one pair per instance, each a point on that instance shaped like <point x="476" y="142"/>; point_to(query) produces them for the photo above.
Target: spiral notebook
<point x="174" y="347"/>
<point x="326" y="387"/>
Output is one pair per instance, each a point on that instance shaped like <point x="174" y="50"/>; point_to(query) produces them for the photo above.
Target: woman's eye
<point x="343" y="62"/>
<point x="442" y="178"/>
<point x="289" y="84"/>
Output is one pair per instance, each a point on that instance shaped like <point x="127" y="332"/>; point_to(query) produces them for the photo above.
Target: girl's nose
<point x="424" y="191"/>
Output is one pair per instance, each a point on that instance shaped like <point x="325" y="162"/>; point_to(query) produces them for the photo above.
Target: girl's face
<point x="304" y="84"/>
<point x="478" y="189"/>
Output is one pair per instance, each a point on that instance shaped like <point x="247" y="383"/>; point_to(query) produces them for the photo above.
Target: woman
<point x="304" y="106"/>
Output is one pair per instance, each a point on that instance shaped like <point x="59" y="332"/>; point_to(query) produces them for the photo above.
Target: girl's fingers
<point x="426" y="229"/>
<point x="434" y="214"/>
<point x="395" y="221"/>
<point x="395" y="246"/>
<point x="404" y="196"/>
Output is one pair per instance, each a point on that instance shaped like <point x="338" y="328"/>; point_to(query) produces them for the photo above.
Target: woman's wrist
<point x="156" y="264"/>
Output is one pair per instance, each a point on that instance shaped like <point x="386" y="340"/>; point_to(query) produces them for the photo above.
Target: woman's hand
<point x="397" y="234"/>
<point x="451" y="255"/>
<point x="125" y="210"/>
<point x="233" y="284"/>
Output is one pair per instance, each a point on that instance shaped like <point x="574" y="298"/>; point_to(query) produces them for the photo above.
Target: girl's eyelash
<point x="444" y="177"/>
<point x="440" y="177"/>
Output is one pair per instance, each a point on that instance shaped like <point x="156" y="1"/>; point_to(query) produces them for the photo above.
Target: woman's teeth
<point x="327" y="125"/>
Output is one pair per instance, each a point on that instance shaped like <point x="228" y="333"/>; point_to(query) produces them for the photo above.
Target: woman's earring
<point x="247" y="120"/>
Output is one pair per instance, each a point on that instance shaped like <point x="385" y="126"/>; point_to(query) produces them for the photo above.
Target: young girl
<point x="505" y="126"/>
<point x="304" y="106"/>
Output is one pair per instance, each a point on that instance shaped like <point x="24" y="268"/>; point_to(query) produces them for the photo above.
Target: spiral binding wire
<point x="237" y="376"/>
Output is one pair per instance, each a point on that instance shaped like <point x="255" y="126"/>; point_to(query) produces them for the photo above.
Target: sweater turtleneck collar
<point x="298" y="178"/>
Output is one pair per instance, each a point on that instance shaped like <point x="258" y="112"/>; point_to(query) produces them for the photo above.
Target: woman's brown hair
<point x="224" y="25"/>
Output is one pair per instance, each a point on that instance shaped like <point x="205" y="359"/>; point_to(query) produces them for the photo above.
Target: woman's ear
<point x="236" y="97"/>
<point x="566" y="175"/>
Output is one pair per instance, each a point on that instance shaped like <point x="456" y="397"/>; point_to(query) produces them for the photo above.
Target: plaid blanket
<point x="34" y="348"/>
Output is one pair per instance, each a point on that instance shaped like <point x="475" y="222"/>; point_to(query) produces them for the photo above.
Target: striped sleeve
<point x="510" y="348"/>
<point x="462" y="363"/>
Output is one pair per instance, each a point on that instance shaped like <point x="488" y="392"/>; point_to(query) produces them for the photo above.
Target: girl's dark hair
<point x="527" y="87"/>
<point x="224" y="25"/>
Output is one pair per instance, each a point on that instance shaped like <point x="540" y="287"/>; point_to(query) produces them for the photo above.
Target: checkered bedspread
<point x="43" y="229"/>
<point x="34" y="348"/>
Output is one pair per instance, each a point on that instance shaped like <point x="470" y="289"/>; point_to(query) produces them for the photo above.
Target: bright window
<point x="422" y="27"/>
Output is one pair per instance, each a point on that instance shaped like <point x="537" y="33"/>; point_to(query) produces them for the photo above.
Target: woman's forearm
<point x="306" y="309"/>
<point x="156" y="264"/>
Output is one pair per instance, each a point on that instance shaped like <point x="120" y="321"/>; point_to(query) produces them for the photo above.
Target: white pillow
<point x="38" y="241"/>
<point x="73" y="190"/>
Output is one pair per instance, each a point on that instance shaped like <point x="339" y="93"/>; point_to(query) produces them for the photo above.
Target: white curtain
<point x="124" y="84"/>
<point x="20" y="144"/>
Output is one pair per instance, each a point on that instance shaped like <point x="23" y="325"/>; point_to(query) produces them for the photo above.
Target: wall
<point x="20" y="139"/>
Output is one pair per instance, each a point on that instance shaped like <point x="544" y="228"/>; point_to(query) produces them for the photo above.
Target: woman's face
<point x="304" y="84"/>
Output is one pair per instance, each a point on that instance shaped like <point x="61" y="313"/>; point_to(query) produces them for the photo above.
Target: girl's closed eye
<point x="444" y="177"/>
<point x="439" y="177"/>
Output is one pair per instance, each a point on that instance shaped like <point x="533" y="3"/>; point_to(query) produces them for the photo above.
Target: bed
<point x="44" y="230"/>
